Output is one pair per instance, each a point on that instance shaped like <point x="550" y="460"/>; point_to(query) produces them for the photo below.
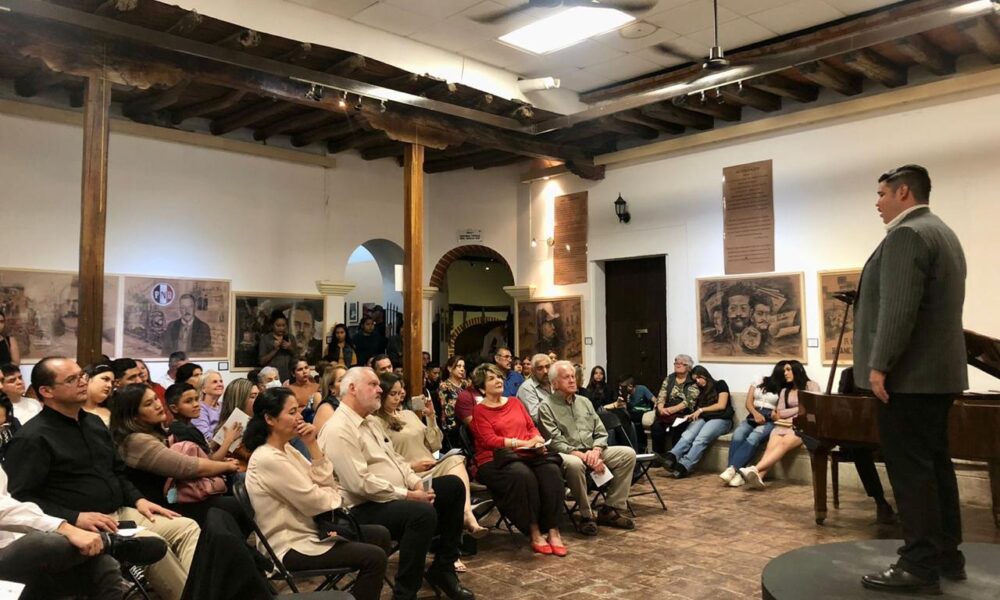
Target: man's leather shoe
<point x="446" y="581"/>
<point x="884" y="514"/>
<point x="954" y="574"/>
<point x="134" y="550"/>
<point x="895" y="579"/>
<point x="668" y="461"/>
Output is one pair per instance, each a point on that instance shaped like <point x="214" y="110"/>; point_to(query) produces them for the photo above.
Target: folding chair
<point x="330" y="576"/>
<point x="643" y="462"/>
<point x="135" y="577"/>
<point x="479" y="490"/>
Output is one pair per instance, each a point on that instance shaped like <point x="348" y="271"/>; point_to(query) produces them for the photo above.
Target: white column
<point x="520" y="292"/>
<point x="428" y="317"/>
<point x="334" y="306"/>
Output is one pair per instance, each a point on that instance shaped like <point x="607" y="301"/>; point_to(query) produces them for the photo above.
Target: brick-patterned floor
<point x="712" y="543"/>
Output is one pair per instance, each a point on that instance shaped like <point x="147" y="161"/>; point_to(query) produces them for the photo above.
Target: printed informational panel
<point x="254" y="313"/>
<point x="546" y="325"/>
<point x="165" y="314"/>
<point x="833" y="311"/>
<point x="748" y="218"/>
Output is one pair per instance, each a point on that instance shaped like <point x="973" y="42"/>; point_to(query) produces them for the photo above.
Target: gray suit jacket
<point x="908" y="313"/>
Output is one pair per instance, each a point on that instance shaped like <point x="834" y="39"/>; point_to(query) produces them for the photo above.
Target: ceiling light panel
<point x="566" y="28"/>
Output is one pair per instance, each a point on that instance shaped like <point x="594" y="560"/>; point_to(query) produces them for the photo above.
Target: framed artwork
<point x="353" y="309"/>
<point x="546" y="325"/>
<point x="253" y="314"/>
<point x="751" y="318"/>
<point x="42" y="312"/>
<point x="833" y="311"/>
<point x="166" y="314"/>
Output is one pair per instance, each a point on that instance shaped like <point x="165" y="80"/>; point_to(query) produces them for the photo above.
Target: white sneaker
<point x="736" y="481"/>
<point x="753" y="478"/>
<point x="727" y="475"/>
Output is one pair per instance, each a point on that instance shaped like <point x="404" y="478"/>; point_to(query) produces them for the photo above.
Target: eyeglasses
<point x="505" y="355"/>
<point x="74" y="379"/>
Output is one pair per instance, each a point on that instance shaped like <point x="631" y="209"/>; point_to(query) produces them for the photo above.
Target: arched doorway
<point x="372" y="268"/>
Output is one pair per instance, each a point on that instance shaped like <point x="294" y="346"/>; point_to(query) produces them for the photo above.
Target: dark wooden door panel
<point x="635" y="296"/>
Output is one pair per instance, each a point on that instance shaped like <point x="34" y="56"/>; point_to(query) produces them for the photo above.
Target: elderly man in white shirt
<point x="382" y="489"/>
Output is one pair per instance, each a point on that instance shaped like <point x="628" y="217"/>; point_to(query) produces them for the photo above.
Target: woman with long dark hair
<point x="341" y="351"/>
<point x="277" y="349"/>
<point x="762" y="399"/>
<point x="601" y="391"/>
<point x="288" y="493"/>
<point x="100" y="382"/>
<point x="712" y="417"/>
<point x="448" y="393"/>
<point x="783" y="438"/>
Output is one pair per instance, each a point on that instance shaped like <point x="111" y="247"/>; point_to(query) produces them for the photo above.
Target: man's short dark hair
<point x="501" y="349"/>
<point x="8" y="369"/>
<point x="120" y="366"/>
<point x="379" y="357"/>
<point x="186" y="371"/>
<point x="176" y="358"/>
<point x="916" y="179"/>
<point x="175" y="391"/>
<point x="43" y="374"/>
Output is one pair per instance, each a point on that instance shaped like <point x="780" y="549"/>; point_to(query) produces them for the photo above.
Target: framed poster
<point x="546" y="325"/>
<point x="165" y="314"/>
<point x="253" y="314"/>
<point x="833" y="311"/>
<point x="751" y="318"/>
<point x="42" y="307"/>
<point x="353" y="313"/>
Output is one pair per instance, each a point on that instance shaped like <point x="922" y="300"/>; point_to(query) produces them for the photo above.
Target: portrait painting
<point x="546" y="325"/>
<point x="253" y="318"/>
<point x="833" y="312"/>
<point x="167" y="314"/>
<point x="751" y="318"/>
<point x="41" y="310"/>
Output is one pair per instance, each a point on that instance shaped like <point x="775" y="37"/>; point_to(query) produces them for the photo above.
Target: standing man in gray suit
<point x="909" y="350"/>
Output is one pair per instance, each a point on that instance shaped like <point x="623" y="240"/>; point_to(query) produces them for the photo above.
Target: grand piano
<point x="974" y="427"/>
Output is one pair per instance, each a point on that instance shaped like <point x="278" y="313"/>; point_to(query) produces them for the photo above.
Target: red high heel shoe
<point x="541" y="548"/>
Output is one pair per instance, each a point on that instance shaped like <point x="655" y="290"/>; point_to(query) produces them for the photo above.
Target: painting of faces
<point x="40" y="309"/>
<point x="166" y="314"/>
<point x="299" y="318"/>
<point x="833" y="312"/>
<point x="550" y="325"/>
<point x="751" y="318"/>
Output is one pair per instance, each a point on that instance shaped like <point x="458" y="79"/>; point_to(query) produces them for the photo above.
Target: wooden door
<point x="636" y="298"/>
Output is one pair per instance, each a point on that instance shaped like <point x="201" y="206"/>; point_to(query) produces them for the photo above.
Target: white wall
<point x="366" y="276"/>
<point x="824" y="183"/>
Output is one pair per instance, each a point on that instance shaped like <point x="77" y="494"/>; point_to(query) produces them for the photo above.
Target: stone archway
<point x="441" y="269"/>
<point x="470" y="324"/>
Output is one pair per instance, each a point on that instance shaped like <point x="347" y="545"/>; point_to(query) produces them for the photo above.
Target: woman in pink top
<point x="527" y="487"/>
<point x="783" y="438"/>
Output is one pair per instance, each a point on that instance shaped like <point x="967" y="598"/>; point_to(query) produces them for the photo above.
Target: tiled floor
<point x="712" y="543"/>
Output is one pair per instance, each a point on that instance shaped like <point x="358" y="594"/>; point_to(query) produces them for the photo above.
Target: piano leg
<point x="995" y="488"/>
<point x="820" y="457"/>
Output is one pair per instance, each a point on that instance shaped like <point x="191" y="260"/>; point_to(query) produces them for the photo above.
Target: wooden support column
<point x="93" y="217"/>
<point x="413" y="267"/>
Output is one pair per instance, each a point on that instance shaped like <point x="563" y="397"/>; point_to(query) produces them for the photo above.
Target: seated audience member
<point x="416" y="436"/>
<point x="9" y="425"/>
<point x="525" y="364"/>
<point x="762" y="398"/>
<point x="783" y="438"/>
<point x="12" y="384"/>
<point x="432" y="381"/>
<point x="579" y="436"/>
<point x="9" y="350"/>
<point x="126" y="371"/>
<point x="306" y="390"/>
<point x="512" y="379"/>
<point x="382" y="364"/>
<point x="55" y="559"/>
<point x="182" y="400"/>
<point x="601" y="392"/>
<point x="638" y="401"/>
<point x="394" y="344"/>
<point x="174" y="362"/>
<point x="712" y="417"/>
<point x="240" y="394"/>
<point x="448" y="393"/>
<point x="330" y="383"/>
<point x="536" y="387"/>
<point x="158" y="389"/>
<point x="137" y="430"/>
<point x="211" y="388"/>
<point x="100" y="383"/>
<point x="341" y="351"/>
<point x="189" y="373"/>
<point x="64" y="461"/>
<point x="291" y="496"/>
<point x="528" y="489"/>
<point x="277" y="349"/>
<point x="267" y="378"/>
<point x="675" y="399"/>
<point x="368" y="342"/>
<point x="382" y="489"/>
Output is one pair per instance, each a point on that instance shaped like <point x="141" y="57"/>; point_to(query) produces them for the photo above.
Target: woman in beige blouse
<point x="288" y="493"/>
<point x="416" y="437"/>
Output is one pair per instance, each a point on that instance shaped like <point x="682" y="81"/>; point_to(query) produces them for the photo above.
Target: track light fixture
<point x="342" y="103"/>
<point x="315" y="93"/>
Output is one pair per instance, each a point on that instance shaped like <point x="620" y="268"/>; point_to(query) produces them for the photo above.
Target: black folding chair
<point x="330" y="576"/>
<point x="643" y="462"/>
<point x="478" y="490"/>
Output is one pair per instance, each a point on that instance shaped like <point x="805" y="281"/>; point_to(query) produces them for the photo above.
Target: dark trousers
<point x="51" y="567"/>
<point x="527" y="494"/>
<point x="914" y="433"/>
<point x="369" y="558"/>
<point x="197" y="511"/>
<point x="864" y="462"/>
<point x="664" y="436"/>
<point x="413" y="524"/>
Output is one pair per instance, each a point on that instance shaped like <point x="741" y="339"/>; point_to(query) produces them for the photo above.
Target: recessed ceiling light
<point x="565" y="29"/>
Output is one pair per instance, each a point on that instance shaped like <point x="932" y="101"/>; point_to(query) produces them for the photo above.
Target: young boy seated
<point x="182" y="400"/>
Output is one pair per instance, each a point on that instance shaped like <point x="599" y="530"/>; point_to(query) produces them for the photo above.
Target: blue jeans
<point x="746" y="439"/>
<point x="696" y="439"/>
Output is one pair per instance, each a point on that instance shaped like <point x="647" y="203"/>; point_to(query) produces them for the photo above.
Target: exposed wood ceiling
<point x="45" y="62"/>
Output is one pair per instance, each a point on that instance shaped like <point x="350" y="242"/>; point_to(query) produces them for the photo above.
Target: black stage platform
<point x="833" y="572"/>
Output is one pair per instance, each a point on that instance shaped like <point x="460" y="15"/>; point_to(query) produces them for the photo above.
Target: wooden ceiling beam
<point x="748" y="96"/>
<point x="462" y="162"/>
<point x="714" y="106"/>
<point x="109" y="8"/>
<point x="785" y="87"/>
<point x="984" y="35"/>
<point x="921" y="50"/>
<point x="634" y="116"/>
<point x="625" y="127"/>
<point x="502" y="161"/>
<point x="37" y="81"/>
<point x="240" y="40"/>
<point x="666" y="111"/>
<point x="823" y="74"/>
<point x="875" y="67"/>
<point x="296" y="53"/>
<point x="347" y="66"/>
<point x="441" y="90"/>
<point x="292" y="123"/>
<point x="186" y="24"/>
<point x="227" y="100"/>
<point x="357" y="139"/>
<point x="395" y="149"/>
<point x="155" y="100"/>
<point x="264" y="109"/>
<point x="333" y="130"/>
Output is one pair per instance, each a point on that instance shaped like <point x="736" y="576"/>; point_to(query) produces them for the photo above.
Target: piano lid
<point x="983" y="352"/>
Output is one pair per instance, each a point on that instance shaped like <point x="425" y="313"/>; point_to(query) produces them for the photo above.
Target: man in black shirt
<point x="66" y="463"/>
